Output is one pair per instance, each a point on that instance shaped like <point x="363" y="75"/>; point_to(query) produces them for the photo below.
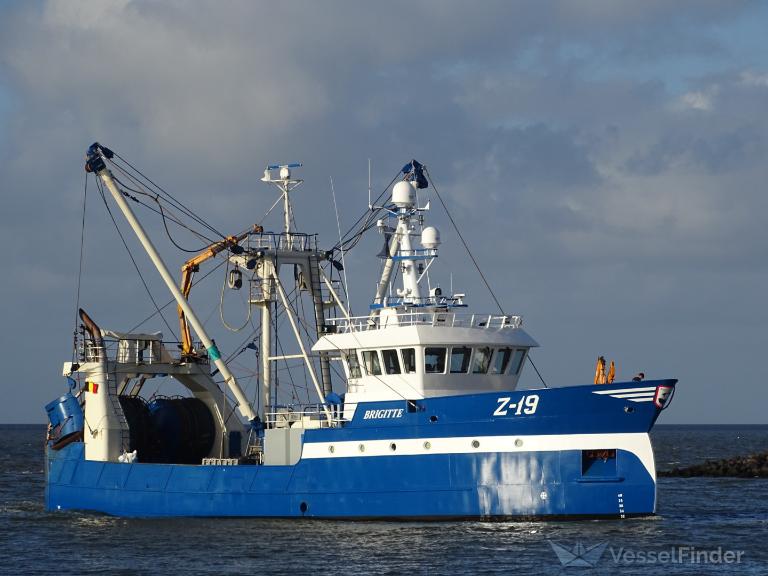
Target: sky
<point x="606" y="162"/>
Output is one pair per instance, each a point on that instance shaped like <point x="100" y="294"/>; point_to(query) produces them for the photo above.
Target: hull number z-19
<point x="526" y="405"/>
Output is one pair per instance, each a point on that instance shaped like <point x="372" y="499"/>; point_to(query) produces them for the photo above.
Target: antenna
<point x="370" y="207"/>
<point x="286" y="183"/>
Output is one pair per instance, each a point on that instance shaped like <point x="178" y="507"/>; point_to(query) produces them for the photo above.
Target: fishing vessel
<point x="415" y="411"/>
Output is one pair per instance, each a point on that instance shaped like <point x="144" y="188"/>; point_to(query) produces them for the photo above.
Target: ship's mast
<point x="401" y="250"/>
<point x="293" y="250"/>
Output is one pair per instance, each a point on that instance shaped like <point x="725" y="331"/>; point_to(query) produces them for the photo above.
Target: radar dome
<point x="430" y="238"/>
<point x="403" y="194"/>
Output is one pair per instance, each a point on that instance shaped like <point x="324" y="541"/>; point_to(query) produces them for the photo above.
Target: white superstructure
<point x="419" y="343"/>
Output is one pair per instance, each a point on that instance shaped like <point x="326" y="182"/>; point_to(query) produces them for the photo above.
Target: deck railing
<point x="302" y="416"/>
<point x="293" y="241"/>
<point x="421" y="318"/>
<point x="133" y="351"/>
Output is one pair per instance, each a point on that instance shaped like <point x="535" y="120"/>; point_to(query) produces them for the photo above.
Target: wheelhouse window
<point x="409" y="360"/>
<point x="434" y="360"/>
<point x="391" y="361"/>
<point x="482" y="360"/>
<point x="517" y="361"/>
<point x="501" y="361"/>
<point x="460" y="360"/>
<point x="371" y="362"/>
<point x="350" y="357"/>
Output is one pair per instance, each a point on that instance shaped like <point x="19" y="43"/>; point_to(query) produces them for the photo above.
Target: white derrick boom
<point x="96" y="157"/>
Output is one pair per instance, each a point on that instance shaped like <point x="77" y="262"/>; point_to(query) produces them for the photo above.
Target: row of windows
<point x="462" y="360"/>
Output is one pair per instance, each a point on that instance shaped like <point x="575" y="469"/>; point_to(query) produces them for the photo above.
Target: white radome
<point x="430" y="238"/>
<point x="403" y="194"/>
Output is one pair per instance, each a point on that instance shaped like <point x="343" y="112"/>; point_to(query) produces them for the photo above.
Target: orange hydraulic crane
<point x="188" y="270"/>
<point x="600" y="375"/>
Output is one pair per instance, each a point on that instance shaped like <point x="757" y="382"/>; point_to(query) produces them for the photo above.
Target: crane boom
<point x="97" y="155"/>
<point x="188" y="270"/>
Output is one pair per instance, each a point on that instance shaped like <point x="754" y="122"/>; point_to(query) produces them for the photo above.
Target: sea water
<point x="703" y="526"/>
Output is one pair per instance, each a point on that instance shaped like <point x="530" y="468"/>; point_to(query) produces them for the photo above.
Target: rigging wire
<point x="369" y="216"/>
<point x="464" y="242"/>
<point x="221" y="306"/>
<point x="289" y="371"/>
<point x="159" y="210"/>
<point x="130" y="254"/>
<point x="156" y="198"/>
<point x="154" y="194"/>
<point x="80" y="268"/>
<point x="303" y="326"/>
<point x="170" y="236"/>
<point x="171" y="198"/>
<point x="474" y="261"/>
<point x="173" y="300"/>
<point x="268" y="212"/>
<point x="341" y="247"/>
<point x="536" y="369"/>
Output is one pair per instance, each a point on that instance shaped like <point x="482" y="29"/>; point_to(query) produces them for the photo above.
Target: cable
<point x="80" y="268"/>
<point x="159" y="210"/>
<point x="155" y="196"/>
<point x="341" y="246"/>
<point x="350" y="242"/>
<point x="456" y="228"/>
<point x="178" y="204"/>
<point x="537" y="370"/>
<point x="130" y="255"/>
<point x="221" y="306"/>
<point x="170" y="237"/>
<point x="173" y="300"/>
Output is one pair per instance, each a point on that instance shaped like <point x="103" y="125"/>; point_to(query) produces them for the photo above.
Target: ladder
<point x="114" y="399"/>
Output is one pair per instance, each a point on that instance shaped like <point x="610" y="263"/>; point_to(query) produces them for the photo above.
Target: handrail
<point x="134" y="351"/>
<point x="294" y="241"/>
<point x="306" y="415"/>
<point x="425" y="318"/>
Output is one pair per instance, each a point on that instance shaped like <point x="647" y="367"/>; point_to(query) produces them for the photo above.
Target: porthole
<point x="427" y="445"/>
<point x="475" y="444"/>
<point x="433" y="418"/>
<point x="361" y="447"/>
<point x="518" y="442"/>
<point x="331" y="449"/>
<point x="393" y="446"/>
<point x="303" y="507"/>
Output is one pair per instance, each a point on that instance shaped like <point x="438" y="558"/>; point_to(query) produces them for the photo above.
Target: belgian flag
<point x="92" y="387"/>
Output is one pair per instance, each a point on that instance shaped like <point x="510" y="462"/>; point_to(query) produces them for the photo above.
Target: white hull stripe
<point x="635" y="395"/>
<point x="637" y="443"/>
<point x="625" y="390"/>
<point x="641" y="399"/>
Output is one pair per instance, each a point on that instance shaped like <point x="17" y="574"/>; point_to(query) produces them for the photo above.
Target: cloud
<point x="750" y="78"/>
<point x="602" y="158"/>
<point x="698" y="101"/>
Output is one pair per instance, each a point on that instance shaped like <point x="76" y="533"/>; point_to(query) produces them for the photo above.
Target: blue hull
<point x="457" y="477"/>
